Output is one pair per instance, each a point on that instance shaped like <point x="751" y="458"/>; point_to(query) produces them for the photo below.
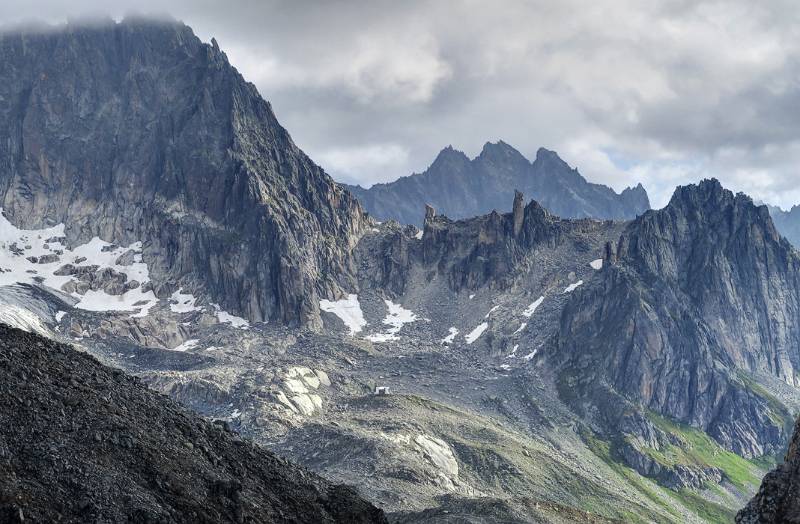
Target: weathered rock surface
<point x="691" y="296"/>
<point x="778" y="499"/>
<point x="138" y="131"/>
<point x="81" y="442"/>
<point x="461" y="188"/>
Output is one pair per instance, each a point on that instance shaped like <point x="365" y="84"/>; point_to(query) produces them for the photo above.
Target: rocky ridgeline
<point x="692" y="299"/>
<point x="138" y="131"/>
<point x="462" y="188"/>
<point x="491" y="249"/>
<point x="81" y="442"/>
<point x="778" y="499"/>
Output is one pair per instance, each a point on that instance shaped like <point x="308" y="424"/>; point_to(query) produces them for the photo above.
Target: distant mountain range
<point x="461" y="188"/>
<point x="787" y="222"/>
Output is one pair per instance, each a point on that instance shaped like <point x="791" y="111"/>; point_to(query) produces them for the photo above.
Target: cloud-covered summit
<point x="662" y="92"/>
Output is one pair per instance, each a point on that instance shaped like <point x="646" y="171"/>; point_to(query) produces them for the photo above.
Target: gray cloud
<point x="630" y="90"/>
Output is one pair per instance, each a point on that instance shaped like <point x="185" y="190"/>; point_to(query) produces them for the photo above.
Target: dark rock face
<point x="691" y="295"/>
<point x="81" y="442"/>
<point x="461" y="188"/>
<point x="138" y="131"/>
<point x="470" y="253"/>
<point x="778" y="499"/>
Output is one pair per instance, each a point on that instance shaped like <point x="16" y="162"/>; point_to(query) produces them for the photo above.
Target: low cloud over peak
<point x="655" y="92"/>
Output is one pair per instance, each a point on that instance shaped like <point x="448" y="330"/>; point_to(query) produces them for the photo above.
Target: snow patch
<point x="60" y="315"/>
<point x="475" y="333"/>
<point x="530" y="355"/>
<point x="520" y="328"/>
<point x="189" y="344"/>
<point x="418" y="234"/>
<point x="513" y="353"/>
<point x="491" y="311"/>
<point x="226" y="318"/>
<point x="396" y="317"/>
<point x="449" y="338"/>
<point x="572" y="287"/>
<point x="35" y="256"/>
<point x="597" y="264"/>
<point x="348" y="310"/>
<point x="531" y="309"/>
<point x="183" y="302"/>
<point x="23" y="319"/>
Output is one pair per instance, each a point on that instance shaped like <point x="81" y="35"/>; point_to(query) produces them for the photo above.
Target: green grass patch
<point x="698" y="449"/>
<point x="705" y="509"/>
<point x="777" y="412"/>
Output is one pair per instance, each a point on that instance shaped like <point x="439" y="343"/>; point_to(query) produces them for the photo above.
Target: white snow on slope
<point x="34" y="256"/>
<point x="475" y="333"/>
<point x="60" y="315"/>
<point x="348" y="310"/>
<point x="225" y="317"/>
<point x="520" y="328"/>
<point x="396" y="317"/>
<point x="530" y="355"/>
<point x="418" y="234"/>
<point x="597" y="264"/>
<point x="189" y="344"/>
<point x="491" y="311"/>
<point x="183" y="302"/>
<point x="572" y="287"/>
<point x="530" y="310"/>
<point x="449" y="338"/>
<point x="23" y="319"/>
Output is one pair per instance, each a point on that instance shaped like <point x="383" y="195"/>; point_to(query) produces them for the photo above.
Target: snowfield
<point x="396" y="317"/>
<point x="475" y="333"/>
<point x="348" y="310"/>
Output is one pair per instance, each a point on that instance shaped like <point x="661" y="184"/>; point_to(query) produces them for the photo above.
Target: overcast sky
<point x="656" y="92"/>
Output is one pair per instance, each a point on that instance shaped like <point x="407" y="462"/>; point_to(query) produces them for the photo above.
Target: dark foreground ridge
<point x="82" y="442"/>
<point x="778" y="500"/>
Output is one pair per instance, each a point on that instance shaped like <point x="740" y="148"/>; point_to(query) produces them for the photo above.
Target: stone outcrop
<point x="778" y="499"/>
<point x="138" y="131"/>
<point x="462" y="188"/>
<point x="691" y="299"/>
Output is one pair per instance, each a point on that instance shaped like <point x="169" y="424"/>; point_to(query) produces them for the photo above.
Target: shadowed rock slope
<point x="692" y="301"/>
<point x="81" y="442"/>
<point x="138" y="131"/>
<point x="461" y="188"/>
<point x="778" y="500"/>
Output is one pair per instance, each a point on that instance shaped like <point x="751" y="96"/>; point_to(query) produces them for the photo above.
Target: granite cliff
<point x="138" y="131"/>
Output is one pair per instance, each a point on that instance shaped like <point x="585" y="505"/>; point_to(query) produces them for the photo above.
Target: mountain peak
<point x="450" y="156"/>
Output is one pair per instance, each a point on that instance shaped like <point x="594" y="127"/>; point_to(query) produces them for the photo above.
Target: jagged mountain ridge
<point x="690" y="296"/>
<point x="461" y="188"/>
<point x="138" y="131"/>
<point x="81" y="442"/>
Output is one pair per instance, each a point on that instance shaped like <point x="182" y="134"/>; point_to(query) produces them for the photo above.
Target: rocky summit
<point x="81" y="442"/>
<point x="139" y="132"/>
<point x="460" y="187"/>
<point x="690" y="294"/>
